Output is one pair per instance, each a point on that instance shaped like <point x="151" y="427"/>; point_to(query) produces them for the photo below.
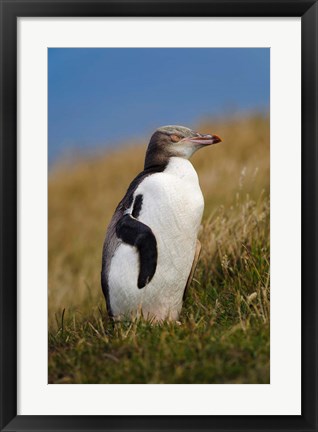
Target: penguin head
<point x="176" y="141"/>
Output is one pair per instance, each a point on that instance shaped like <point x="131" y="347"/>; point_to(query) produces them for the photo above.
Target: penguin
<point x="151" y="247"/>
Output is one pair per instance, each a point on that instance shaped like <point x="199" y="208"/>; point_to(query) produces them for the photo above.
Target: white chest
<point x="172" y="200"/>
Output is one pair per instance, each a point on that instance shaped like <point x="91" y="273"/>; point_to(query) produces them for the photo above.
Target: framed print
<point x="192" y="303"/>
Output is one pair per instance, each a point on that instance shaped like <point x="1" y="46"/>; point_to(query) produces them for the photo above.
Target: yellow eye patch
<point x="175" y="138"/>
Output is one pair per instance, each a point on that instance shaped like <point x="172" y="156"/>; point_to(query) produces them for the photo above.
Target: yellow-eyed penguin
<point x="151" y="247"/>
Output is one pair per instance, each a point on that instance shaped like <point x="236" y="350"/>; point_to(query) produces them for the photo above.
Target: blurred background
<point x="101" y="98"/>
<point x="104" y="104"/>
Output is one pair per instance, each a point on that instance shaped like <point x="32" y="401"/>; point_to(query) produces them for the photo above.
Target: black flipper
<point x="137" y="234"/>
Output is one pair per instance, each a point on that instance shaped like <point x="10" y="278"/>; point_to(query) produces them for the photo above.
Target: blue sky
<point x="103" y="97"/>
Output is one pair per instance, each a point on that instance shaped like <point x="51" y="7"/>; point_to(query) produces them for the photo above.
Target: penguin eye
<point x="175" y="138"/>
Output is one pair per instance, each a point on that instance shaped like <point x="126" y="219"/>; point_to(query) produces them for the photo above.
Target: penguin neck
<point x="156" y="162"/>
<point x="182" y="168"/>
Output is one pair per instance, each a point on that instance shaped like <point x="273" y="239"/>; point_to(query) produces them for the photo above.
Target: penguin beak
<point x="205" y="139"/>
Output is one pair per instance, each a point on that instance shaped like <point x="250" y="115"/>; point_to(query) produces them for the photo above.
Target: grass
<point x="224" y="331"/>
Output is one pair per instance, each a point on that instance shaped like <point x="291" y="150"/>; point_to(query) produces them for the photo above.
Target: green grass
<point x="223" y="334"/>
<point x="196" y="352"/>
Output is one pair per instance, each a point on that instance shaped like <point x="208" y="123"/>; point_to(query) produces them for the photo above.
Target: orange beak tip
<point x="217" y="139"/>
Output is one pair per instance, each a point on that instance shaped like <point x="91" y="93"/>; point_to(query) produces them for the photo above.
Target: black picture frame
<point x="10" y="11"/>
